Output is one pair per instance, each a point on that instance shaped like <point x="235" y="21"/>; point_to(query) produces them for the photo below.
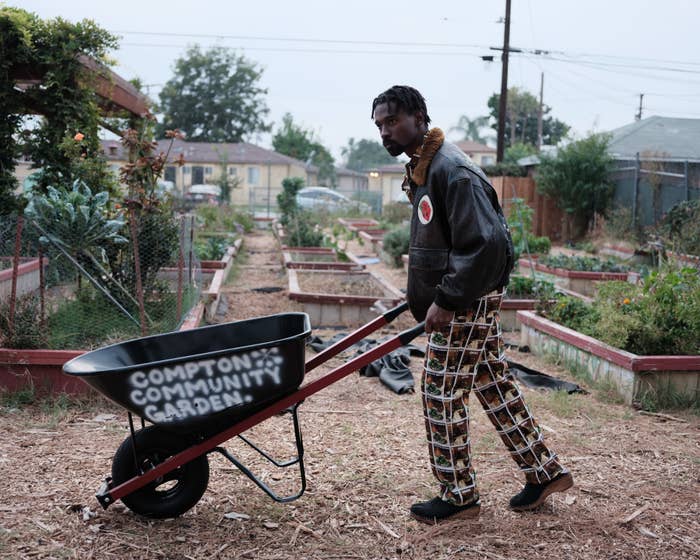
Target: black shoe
<point x="533" y="495"/>
<point x="437" y="510"/>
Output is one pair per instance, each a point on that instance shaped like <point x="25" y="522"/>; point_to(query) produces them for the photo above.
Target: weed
<point x="235" y="270"/>
<point x="17" y="399"/>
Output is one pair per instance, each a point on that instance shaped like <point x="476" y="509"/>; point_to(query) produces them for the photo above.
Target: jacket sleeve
<point x="479" y="245"/>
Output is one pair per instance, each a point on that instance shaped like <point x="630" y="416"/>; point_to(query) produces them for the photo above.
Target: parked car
<point x="203" y="194"/>
<point x="316" y="198"/>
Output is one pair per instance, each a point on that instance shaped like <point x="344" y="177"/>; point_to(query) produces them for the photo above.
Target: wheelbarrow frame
<point x="109" y="493"/>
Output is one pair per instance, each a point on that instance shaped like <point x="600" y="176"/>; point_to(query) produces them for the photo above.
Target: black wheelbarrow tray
<point x="200" y="388"/>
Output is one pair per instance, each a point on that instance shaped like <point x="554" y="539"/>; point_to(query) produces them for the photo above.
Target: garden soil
<point x="637" y="492"/>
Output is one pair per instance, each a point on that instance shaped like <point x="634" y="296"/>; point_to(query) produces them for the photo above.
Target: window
<point x="487" y="160"/>
<point x="253" y="175"/>
<point x="233" y="171"/>
<point x="112" y="150"/>
<point x="186" y="169"/>
<point x="208" y="170"/>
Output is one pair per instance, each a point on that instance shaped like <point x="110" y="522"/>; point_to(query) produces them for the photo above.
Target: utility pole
<point x="504" y="88"/>
<point x="638" y="116"/>
<point x="539" y="113"/>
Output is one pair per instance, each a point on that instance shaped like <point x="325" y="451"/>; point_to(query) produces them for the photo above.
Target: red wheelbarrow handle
<point x="359" y="334"/>
<point x="106" y="496"/>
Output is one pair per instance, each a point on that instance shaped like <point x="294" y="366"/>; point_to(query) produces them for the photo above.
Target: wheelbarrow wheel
<point x="172" y="494"/>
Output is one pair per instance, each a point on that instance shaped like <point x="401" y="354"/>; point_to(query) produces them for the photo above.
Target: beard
<point x="394" y="148"/>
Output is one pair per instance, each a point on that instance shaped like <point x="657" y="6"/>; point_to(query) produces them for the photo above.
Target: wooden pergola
<point x="115" y="94"/>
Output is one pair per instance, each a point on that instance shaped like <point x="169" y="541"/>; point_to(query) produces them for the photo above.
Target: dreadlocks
<point x="403" y="98"/>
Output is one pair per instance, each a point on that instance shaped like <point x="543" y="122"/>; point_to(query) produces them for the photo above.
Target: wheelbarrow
<point x="198" y="389"/>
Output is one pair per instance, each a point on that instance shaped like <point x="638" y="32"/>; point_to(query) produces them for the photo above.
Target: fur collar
<point x="431" y="144"/>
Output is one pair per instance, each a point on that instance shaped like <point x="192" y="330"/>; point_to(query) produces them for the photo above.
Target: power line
<point x="537" y="51"/>
<point x="310" y="50"/>
<point x="305" y="40"/>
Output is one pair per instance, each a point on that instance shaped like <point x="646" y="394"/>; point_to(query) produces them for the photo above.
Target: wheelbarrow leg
<point x="298" y="459"/>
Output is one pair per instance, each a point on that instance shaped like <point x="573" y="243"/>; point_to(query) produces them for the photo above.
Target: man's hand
<point x="437" y="317"/>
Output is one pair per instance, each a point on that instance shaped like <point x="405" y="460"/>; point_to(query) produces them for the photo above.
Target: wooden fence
<point x="547" y="218"/>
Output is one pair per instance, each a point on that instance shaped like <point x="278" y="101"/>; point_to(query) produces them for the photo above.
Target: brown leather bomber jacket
<point x="460" y="246"/>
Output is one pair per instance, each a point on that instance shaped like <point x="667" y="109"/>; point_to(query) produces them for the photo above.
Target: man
<point x="460" y="259"/>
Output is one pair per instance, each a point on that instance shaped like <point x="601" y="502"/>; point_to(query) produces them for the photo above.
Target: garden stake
<point x="137" y="269"/>
<point x="15" y="273"/>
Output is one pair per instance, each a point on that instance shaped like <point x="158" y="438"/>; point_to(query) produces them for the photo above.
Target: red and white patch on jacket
<point x="425" y="210"/>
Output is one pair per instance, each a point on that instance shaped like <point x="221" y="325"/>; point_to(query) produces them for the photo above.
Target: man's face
<point x="400" y="131"/>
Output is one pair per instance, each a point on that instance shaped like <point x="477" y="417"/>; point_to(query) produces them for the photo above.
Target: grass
<point x="90" y="320"/>
<point x="234" y="271"/>
<point x="47" y="410"/>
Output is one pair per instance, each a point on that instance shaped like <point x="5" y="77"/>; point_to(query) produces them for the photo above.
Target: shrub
<point x="680" y="227"/>
<point x="27" y="331"/>
<point x="520" y="223"/>
<point x="396" y="243"/>
<point x="577" y="178"/>
<point x="525" y="287"/>
<point x="660" y="316"/>
<point x="588" y="264"/>
<point x="396" y="213"/>
<point x="211" y="248"/>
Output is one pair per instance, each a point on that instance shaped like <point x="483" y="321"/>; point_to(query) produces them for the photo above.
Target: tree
<point x="471" y="129"/>
<point x="577" y="179"/>
<point x="365" y="154"/>
<point x="518" y="151"/>
<point x="295" y="141"/>
<point x="214" y="97"/>
<point x="521" y="119"/>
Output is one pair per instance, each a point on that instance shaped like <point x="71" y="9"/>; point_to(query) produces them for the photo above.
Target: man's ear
<point x="419" y="119"/>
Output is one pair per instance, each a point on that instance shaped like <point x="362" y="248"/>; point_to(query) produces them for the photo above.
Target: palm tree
<point x="471" y="128"/>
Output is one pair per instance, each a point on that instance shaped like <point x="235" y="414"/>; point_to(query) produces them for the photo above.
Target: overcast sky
<point x="325" y="61"/>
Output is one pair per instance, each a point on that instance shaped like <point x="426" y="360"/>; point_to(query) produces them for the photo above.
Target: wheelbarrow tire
<point x="174" y="493"/>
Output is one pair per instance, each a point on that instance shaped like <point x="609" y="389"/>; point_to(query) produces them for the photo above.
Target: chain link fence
<point x="648" y="187"/>
<point x="63" y="286"/>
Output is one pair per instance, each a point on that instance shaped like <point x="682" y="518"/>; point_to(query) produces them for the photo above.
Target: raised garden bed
<point x="41" y="368"/>
<point x="375" y="237"/>
<point x="578" y="281"/>
<point x="634" y="377"/>
<point x="685" y="260"/>
<point x="27" y="276"/>
<point x="340" y="298"/>
<point x="304" y="258"/>
<point x="356" y="224"/>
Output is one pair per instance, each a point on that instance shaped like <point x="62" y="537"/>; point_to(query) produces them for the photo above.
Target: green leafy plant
<point x="520" y="222"/>
<point x="394" y="213"/>
<point x="211" y="248"/>
<point x="588" y="264"/>
<point x="396" y="243"/>
<point x="659" y="316"/>
<point x="299" y="225"/>
<point x="680" y="227"/>
<point x="27" y="330"/>
<point x="525" y="287"/>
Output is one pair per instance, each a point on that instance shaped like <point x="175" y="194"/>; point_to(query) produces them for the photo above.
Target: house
<point x="657" y="165"/>
<point x="670" y="138"/>
<point x="387" y="179"/>
<point x="258" y="171"/>
<point x="480" y="154"/>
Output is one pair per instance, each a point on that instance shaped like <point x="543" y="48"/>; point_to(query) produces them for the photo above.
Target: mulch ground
<point x="637" y="492"/>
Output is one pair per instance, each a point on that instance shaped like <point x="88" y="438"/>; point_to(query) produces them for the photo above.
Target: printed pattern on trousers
<point x="469" y="354"/>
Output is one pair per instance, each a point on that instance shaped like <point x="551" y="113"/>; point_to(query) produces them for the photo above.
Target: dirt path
<point x="636" y="496"/>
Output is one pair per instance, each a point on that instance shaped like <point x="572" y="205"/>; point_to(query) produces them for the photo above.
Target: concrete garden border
<point x="632" y="375"/>
<point x="298" y="258"/>
<point x="329" y="309"/>
<point x="28" y="273"/>
<point x="579" y="281"/>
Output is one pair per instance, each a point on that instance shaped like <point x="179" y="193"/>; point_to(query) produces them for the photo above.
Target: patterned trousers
<point x="468" y="354"/>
